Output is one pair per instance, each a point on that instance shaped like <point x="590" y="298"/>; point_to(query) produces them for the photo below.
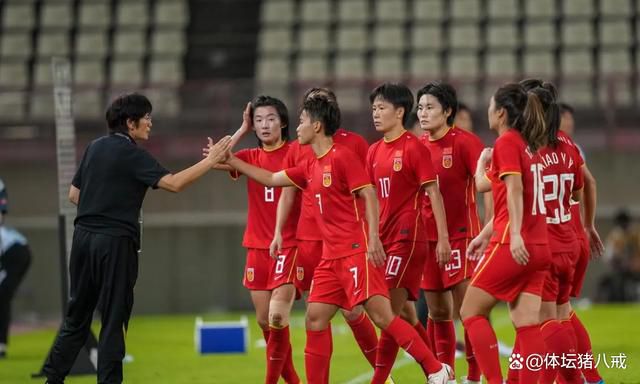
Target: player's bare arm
<point x="74" y="195"/>
<point x="375" y="251"/>
<point x="515" y="209"/>
<point x="246" y="126"/>
<point x="590" y="201"/>
<point x="262" y="176"/>
<point x="177" y="182"/>
<point x="285" y="203"/>
<point x="443" y="248"/>
<point x="482" y="182"/>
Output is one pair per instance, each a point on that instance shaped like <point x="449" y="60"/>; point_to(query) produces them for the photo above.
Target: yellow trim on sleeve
<point x="509" y="173"/>
<point x="292" y="182"/>
<point x="362" y="186"/>
<point x="428" y="181"/>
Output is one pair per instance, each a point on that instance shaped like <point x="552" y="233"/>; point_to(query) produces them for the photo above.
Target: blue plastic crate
<point x="222" y="337"/>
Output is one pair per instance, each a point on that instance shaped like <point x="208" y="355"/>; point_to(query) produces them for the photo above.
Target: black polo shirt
<point x="113" y="178"/>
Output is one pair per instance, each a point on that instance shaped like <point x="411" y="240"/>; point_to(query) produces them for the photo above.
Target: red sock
<point x="560" y="339"/>
<point x="366" y="337"/>
<point x="409" y="340"/>
<point x="473" y="371"/>
<point x="317" y="355"/>
<point x="424" y="335"/>
<point x="514" y="374"/>
<point x="485" y="346"/>
<point x="531" y="342"/>
<point x="386" y="357"/>
<point x="445" y="333"/>
<point x="278" y="347"/>
<point x="431" y="327"/>
<point x="584" y="347"/>
<point x="289" y="373"/>
<point x="266" y="334"/>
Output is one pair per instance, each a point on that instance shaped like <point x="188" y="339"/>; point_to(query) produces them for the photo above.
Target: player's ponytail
<point x="533" y="123"/>
<point x="548" y="95"/>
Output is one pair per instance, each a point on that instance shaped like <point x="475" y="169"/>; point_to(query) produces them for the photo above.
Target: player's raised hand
<point x="485" y="156"/>
<point x="597" y="248"/>
<point x="443" y="252"/>
<point x="518" y="250"/>
<point x="247" y="122"/>
<point x="276" y="245"/>
<point x="375" y="252"/>
<point x="219" y="151"/>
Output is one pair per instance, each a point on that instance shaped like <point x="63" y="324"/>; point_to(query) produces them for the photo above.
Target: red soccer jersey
<point x="576" y="219"/>
<point x="512" y="156"/>
<point x="332" y="179"/>
<point x="263" y="200"/>
<point x="399" y="169"/>
<point x="454" y="157"/>
<point x="561" y="176"/>
<point x="301" y="154"/>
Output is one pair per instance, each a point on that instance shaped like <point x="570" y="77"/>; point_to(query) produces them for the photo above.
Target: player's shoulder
<point x="511" y="136"/>
<point x="466" y="136"/>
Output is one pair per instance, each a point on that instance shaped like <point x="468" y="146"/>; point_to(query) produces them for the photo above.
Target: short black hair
<point x="463" y="107"/>
<point x="412" y="119"/>
<point x="446" y="95"/>
<point x="564" y="107"/>
<point x="397" y="94"/>
<point x="130" y="106"/>
<point x="283" y="112"/>
<point x="321" y="91"/>
<point x="322" y="109"/>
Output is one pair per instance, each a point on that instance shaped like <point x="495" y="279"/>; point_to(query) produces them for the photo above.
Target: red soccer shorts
<point x="560" y="277"/>
<point x="405" y="262"/>
<point x="499" y="274"/>
<point x="581" y="266"/>
<point x="347" y="281"/>
<point x="264" y="273"/>
<point x="454" y="272"/>
<point x="309" y="255"/>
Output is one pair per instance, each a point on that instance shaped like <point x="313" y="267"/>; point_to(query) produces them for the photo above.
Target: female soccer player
<point x="269" y="278"/>
<point x="515" y="264"/>
<point x="350" y="271"/>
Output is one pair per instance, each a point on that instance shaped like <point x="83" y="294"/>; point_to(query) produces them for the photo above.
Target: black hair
<point x="397" y="94"/>
<point x="446" y="96"/>
<point x="412" y="119"/>
<point x="322" y="109"/>
<point x="622" y="219"/>
<point x="281" y="109"/>
<point x="564" y="107"/>
<point x="463" y="107"/>
<point x="130" y="106"/>
<point x="547" y="94"/>
<point x="324" y="91"/>
<point x="525" y="113"/>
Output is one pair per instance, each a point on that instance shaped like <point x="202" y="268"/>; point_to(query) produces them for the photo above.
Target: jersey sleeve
<point x="361" y="147"/>
<point x="297" y="175"/>
<point x="505" y="159"/>
<point x="146" y="169"/>
<point x="420" y="161"/>
<point x="352" y="170"/>
<point x="244" y="155"/>
<point x="371" y="153"/>
<point x="292" y="157"/>
<point x="473" y="147"/>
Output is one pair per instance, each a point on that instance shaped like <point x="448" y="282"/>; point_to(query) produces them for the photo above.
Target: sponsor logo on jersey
<point x="300" y="273"/>
<point x="250" y="274"/>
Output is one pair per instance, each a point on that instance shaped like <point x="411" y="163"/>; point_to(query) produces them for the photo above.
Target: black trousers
<point x="14" y="264"/>
<point x="103" y="269"/>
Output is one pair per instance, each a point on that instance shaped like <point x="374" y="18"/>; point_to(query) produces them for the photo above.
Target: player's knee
<point x="440" y="313"/>
<point x="354" y="314"/>
<point x="381" y="320"/>
<point x="277" y="320"/>
<point x="263" y="323"/>
<point x="314" y="322"/>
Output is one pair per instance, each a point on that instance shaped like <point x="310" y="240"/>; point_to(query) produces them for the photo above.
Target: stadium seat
<point x="168" y="41"/>
<point x="88" y="104"/>
<point x="41" y="104"/>
<point x="95" y="14"/>
<point x="126" y="72"/>
<point x="92" y="43"/>
<point x="540" y="9"/>
<point x="314" y="39"/>
<point x="311" y="67"/>
<point x="132" y="13"/>
<point x="390" y="37"/>
<point x="277" y="12"/>
<point x="463" y="65"/>
<point x="503" y="10"/>
<point x="502" y="35"/>
<point x="130" y="42"/>
<point x="538" y="63"/>
<point x="428" y="10"/>
<point x="576" y="63"/>
<point x="56" y="15"/>
<point x="316" y="11"/>
<point x="352" y="99"/>
<point x="615" y="8"/>
<point x="42" y="76"/>
<point x="615" y="62"/>
<point x="577" y="34"/>
<point x="426" y="36"/>
<point x="275" y="39"/>
<point x="166" y="70"/>
<point x="166" y="101"/>
<point x="465" y="10"/>
<point x="89" y="72"/>
<point x="615" y="93"/>
<point x="12" y="105"/>
<point x="272" y="68"/>
<point x="14" y="74"/>
<point x="15" y="45"/>
<point x="387" y="66"/>
<point x="464" y="36"/>
<point x="469" y="93"/>
<point x="52" y="43"/>
<point x="540" y="34"/>
<point x="391" y="10"/>
<point x="173" y="13"/>
<point x="582" y="9"/>
<point x="423" y="66"/>
<point x="577" y="93"/>
<point x="353" y="11"/>
<point x="616" y="33"/>
<point x="352" y="38"/>
<point x="350" y="67"/>
<point x="18" y="15"/>
<point x="501" y="64"/>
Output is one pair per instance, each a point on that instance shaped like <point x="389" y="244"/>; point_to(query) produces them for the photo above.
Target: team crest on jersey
<point x="447" y="157"/>
<point x="300" y="273"/>
<point x="397" y="161"/>
<point x="326" y="176"/>
<point x="250" y="274"/>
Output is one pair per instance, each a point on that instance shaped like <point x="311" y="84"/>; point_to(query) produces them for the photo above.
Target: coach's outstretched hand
<point x="218" y="152"/>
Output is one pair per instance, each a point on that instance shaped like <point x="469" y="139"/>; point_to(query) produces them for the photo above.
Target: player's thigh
<point x="319" y="315"/>
<point x="260" y="300"/>
<point x="378" y="308"/>
<point x="440" y="304"/>
<point x="477" y="302"/>
<point x="525" y="309"/>
<point x="457" y="292"/>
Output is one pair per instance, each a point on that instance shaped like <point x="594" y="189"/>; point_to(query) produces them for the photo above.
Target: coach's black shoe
<point x="3" y="354"/>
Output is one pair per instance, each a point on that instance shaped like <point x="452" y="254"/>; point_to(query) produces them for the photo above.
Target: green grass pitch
<point x="163" y="351"/>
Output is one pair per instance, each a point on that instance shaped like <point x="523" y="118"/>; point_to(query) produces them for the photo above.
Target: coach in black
<point x="109" y="187"/>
